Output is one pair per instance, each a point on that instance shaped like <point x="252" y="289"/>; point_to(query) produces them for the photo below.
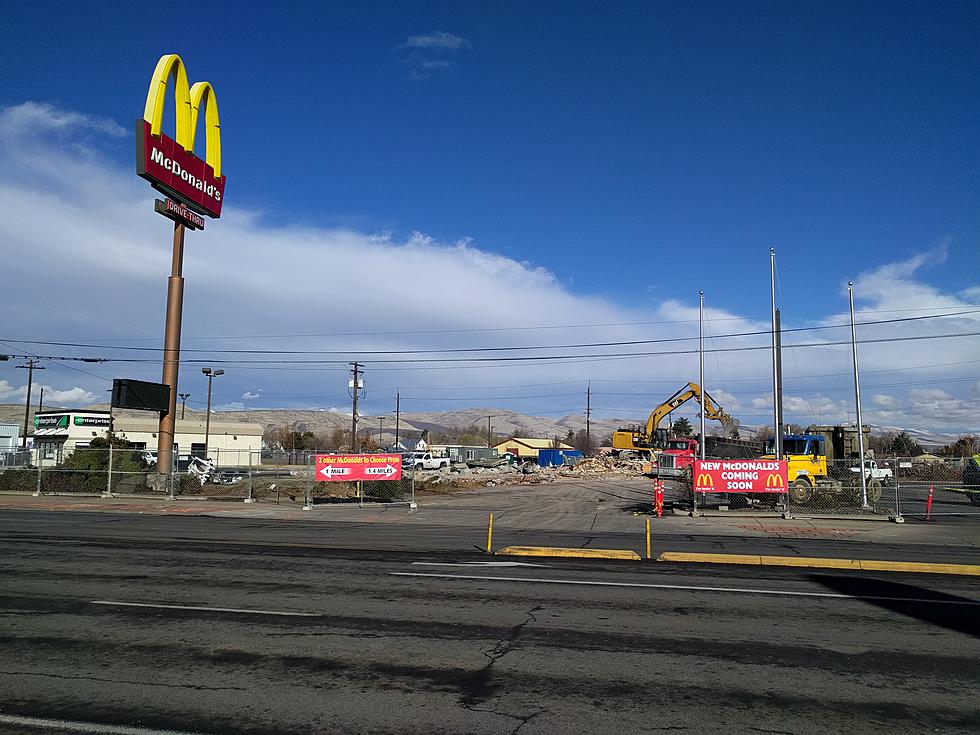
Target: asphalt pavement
<point x="195" y="624"/>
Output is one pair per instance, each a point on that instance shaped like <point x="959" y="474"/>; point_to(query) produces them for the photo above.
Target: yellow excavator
<point x="644" y="440"/>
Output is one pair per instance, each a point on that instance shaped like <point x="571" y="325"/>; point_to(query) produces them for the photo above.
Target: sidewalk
<point x="529" y="515"/>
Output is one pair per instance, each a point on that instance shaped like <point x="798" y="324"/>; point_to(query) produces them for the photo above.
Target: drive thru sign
<point x="351" y="467"/>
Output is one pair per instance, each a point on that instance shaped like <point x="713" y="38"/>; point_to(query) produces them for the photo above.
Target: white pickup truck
<point x="424" y="461"/>
<point x="873" y="471"/>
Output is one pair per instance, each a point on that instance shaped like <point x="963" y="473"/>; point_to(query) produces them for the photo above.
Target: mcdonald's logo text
<point x="171" y="165"/>
<point x="740" y="476"/>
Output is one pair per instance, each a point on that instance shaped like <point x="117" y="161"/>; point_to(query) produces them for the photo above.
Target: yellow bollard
<point x="490" y="535"/>
<point x="648" y="538"/>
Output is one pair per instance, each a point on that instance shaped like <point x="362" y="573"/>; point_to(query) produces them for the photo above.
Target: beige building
<point x="230" y="443"/>
<point x="525" y="448"/>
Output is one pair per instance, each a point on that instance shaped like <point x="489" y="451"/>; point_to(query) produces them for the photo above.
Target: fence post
<point x="413" y="504"/>
<point x="108" y="484"/>
<point x="897" y="518"/>
<point x="173" y="469"/>
<point x="40" y="461"/>
<point x="249" y="498"/>
<point x="309" y="482"/>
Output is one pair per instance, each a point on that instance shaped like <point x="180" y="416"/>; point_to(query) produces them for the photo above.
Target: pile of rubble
<point x="608" y="465"/>
<point x="459" y="474"/>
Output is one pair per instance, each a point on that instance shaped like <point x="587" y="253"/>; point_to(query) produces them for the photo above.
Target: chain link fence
<point x="233" y="475"/>
<point x="894" y="487"/>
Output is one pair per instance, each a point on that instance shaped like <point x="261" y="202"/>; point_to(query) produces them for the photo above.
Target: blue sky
<point x="636" y="152"/>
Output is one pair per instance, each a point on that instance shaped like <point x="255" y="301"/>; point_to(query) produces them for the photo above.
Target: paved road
<point x="316" y="639"/>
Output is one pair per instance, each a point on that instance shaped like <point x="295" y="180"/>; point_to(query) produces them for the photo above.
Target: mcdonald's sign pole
<point x="192" y="187"/>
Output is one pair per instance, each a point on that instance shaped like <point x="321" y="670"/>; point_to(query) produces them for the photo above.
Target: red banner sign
<point x="174" y="171"/>
<point x="349" y="467"/>
<point x="739" y="476"/>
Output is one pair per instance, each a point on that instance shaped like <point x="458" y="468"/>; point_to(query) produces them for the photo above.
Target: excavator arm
<point x="692" y="390"/>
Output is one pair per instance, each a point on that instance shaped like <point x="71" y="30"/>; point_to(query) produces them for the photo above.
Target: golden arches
<point x="188" y="102"/>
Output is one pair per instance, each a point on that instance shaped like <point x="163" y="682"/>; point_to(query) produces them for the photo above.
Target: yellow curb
<point x="569" y="553"/>
<point x="971" y="570"/>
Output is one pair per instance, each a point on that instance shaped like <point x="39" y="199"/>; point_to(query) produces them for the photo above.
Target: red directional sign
<point x="350" y="467"/>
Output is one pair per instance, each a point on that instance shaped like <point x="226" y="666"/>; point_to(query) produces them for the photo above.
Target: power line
<point x="483" y="361"/>
<point x="582" y="345"/>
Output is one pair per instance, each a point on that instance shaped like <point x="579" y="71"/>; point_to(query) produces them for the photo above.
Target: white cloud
<point x="56" y="397"/>
<point x="81" y="221"/>
<point x="35" y="118"/>
<point x="438" y="40"/>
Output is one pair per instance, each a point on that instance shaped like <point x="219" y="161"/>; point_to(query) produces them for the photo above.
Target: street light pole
<point x="183" y="403"/>
<point x="381" y="430"/>
<point x="207" y="420"/>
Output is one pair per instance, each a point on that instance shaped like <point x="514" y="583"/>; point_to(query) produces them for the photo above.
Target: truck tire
<point x="801" y="491"/>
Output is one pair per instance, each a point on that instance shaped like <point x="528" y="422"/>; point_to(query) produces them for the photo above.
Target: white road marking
<point x="92" y="727"/>
<point x="472" y="564"/>
<point x="206" y="609"/>
<point x="690" y="588"/>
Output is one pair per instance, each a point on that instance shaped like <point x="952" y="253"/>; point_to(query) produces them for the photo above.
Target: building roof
<point x="532" y="443"/>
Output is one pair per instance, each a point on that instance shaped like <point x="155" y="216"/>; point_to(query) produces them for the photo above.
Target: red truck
<point x="676" y="457"/>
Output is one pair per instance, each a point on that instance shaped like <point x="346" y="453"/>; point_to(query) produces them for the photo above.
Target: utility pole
<point x="489" y="434"/>
<point x="30" y="367"/>
<point x="354" y="386"/>
<point x="381" y="430"/>
<point x="183" y="403"/>
<point x="588" y="420"/>
<point x="398" y="410"/>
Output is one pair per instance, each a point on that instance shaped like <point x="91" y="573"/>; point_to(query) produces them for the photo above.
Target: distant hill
<point x="505" y="422"/>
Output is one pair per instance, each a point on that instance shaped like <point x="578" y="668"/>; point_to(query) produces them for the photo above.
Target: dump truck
<point x="809" y="474"/>
<point x="643" y="441"/>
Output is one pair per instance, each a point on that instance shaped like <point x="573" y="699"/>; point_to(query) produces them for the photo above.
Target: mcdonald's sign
<point x="705" y="481"/>
<point x="740" y="476"/>
<point x="170" y="165"/>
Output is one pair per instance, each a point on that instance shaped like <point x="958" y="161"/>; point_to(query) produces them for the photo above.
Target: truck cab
<point x="805" y="455"/>
<point x="677" y="456"/>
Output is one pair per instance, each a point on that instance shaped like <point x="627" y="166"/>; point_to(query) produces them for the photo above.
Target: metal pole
<point x="108" y="485"/>
<point x="779" y="384"/>
<point x="588" y="419"/>
<point x="701" y="364"/>
<point x="489" y="434"/>
<point x="381" y="430"/>
<point x="776" y="428"/>
<point x="857" y="398"/>
<point x="398" y="410"/>
<point x="40" y="401"/>
<point x="207" y="417"/>
<point x="249" y="499"/>
<point x="171" y="352"/>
